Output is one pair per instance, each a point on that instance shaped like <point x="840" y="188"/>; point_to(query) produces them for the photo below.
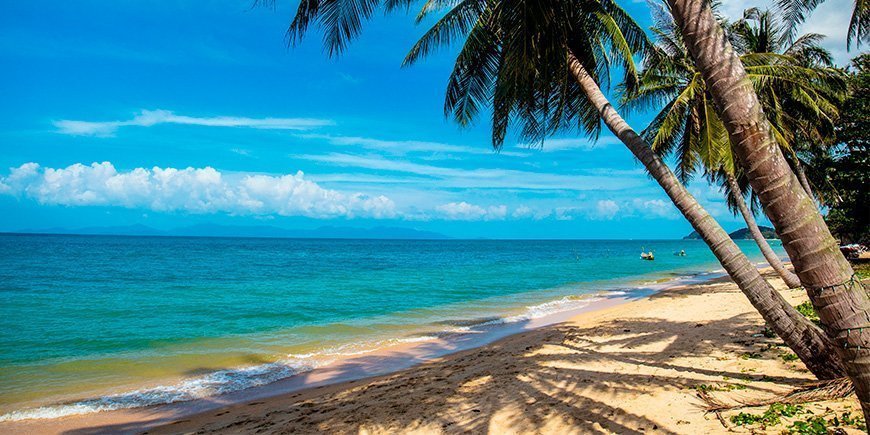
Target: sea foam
<point x="210" y="385"/>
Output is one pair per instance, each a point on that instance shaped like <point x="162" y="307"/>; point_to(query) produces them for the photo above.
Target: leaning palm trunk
<point x="802" y="177"/>
<point x="791" y="280"/>
<point x="840" y="299"/>
<point x="801" y="335"/>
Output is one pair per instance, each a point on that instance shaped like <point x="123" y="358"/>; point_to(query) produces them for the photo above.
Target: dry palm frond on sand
<point x="811" y="392"/>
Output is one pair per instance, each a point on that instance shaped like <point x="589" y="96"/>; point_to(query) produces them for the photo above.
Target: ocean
<point x="92" y="323"/>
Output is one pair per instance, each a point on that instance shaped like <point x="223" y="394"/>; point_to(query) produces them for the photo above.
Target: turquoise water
<point x="99" y="322"/>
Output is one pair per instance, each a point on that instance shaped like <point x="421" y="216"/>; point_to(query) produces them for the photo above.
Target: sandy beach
<point x="635" y="367"/>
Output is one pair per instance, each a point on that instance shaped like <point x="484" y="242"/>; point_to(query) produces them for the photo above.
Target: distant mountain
<point x="741" y="234"/>
<point x="262" y="231"/>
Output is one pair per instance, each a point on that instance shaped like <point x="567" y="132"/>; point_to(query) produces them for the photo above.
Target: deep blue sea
<point x="100" y="322"/>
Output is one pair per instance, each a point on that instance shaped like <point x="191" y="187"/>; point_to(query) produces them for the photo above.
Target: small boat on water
<point x="681" y="253"/>
<point x="644" y="255"/>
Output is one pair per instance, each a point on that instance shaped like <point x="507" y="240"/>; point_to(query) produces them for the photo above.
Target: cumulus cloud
<point x="193" y="190"/>
<point x="148" y="118"/>
<point x="526" y="212"/>
<point x="605" y="209"/>
<point x="523" y="212"/>
<point x="470" y="212"/>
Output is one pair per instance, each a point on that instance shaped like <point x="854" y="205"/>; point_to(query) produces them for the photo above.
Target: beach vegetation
<point x="751" y="355"/>
<point x="789" y="357"/>
<point x="819" y="425"/>
<point x="770" y="417"/>
<point x="811" y="426"/>
<point x="842" y="172"/>
<point x="806" y="308"/>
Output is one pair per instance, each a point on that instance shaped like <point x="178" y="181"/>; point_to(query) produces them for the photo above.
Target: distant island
<point x="261" y="231"/>
<point x="740" y="234"/>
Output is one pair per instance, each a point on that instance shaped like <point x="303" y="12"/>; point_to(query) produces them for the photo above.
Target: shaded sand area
<point x="631" y="368"/>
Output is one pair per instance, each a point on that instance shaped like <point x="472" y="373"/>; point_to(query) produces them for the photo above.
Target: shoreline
<point x="354" y="367"/>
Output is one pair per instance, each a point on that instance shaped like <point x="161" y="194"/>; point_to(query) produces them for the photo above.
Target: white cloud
<point x="526" y="212"/>
<point x="148" y="118"/>
<point x="523" y="212"/>
<point x="207" y="190"/>
<point x="482" y="177"/>
<point x="605" y="209"/>
<point x="17" y="177"/>
<point x="193" y="190"/>
<point x="401" y="147"/>
<point x="470" y="212"/>
<point x="582" y="144"/>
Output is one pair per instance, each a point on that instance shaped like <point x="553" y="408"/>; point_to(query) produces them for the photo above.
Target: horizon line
<point x="444" y="238"/>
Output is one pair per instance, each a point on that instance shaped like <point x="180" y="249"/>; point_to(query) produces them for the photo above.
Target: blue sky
<point x="168" y="115"/>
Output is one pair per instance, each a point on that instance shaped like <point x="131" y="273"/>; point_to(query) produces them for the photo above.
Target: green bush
<point x="808" y="311"/>
<point x="789" y="357"/>
<point x="812" y="426"/>
<point x="819" y="426"/>
<point x="771" y="417"/>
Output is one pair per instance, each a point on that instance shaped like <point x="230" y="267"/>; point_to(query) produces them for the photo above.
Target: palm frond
<point x="859" y="24"/>
<point x="457" y="22"/>
<point x="807" y="393"/>
<point x="473" y="74"/>
<point x="794" y="13"/>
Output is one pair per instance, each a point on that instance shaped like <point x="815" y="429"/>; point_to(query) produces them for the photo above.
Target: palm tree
<point x="803" y="123"/>
<point x="540" y="62"/>
<point x="795" y="13"/>
<point x="838" y="296"/>
<point x="798" y="97"/>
